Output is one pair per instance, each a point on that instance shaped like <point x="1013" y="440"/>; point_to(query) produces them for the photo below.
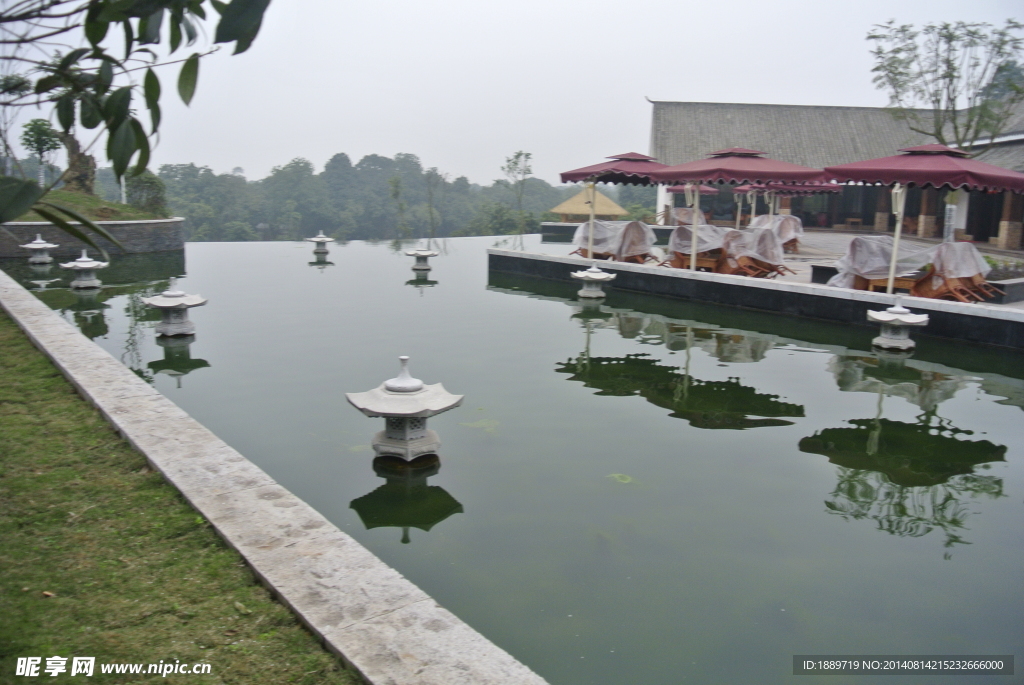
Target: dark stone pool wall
<point x="976" y="323"/>
<point x="158" y="235"/>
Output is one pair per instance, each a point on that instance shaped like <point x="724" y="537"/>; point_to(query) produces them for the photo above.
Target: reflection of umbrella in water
<point x="910" y="454"/>
<point x="705" y="404"/>
<point x="406" y="501"/>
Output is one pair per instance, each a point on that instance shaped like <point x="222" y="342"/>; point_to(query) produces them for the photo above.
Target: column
<point x="1010" y="224"/>
<point x="665" y="202"/>
<point x="957" y="205"/>
<point x="785" y="204"/>
<point x="883" y="207"/>
<point x="926" y="219"/>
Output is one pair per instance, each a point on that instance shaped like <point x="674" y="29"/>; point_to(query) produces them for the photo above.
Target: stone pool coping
<point x="979" y="323"/>
<point x="385" y="628"/>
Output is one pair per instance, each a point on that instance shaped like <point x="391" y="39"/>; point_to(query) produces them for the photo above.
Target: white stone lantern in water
<point x="320" y="241"/>
<point x="174" y="305"/>
<point x="592" y="279"/>
<point x="405" y="403"/>
<point x="84" y="269"/>
<point x="422" y="256"/>
<point x="896" y="322"/>
<point x="40" y="250"/>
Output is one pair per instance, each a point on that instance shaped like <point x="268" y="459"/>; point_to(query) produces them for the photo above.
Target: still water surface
<point x="644" y="491"/>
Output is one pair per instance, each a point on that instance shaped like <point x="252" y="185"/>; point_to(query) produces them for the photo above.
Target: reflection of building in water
<point x="88" y="313"/>
<point x="177" y="361"/>
<point x="406" y="501"/>
<point x="705" y="404"/>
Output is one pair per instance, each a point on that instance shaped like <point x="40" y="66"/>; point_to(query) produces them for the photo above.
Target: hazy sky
<point x="465" y="84"/>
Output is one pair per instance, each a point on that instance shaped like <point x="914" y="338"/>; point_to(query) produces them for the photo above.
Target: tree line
<point x="375" y="198"/>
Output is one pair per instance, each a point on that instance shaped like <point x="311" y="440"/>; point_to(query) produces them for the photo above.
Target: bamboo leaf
<point x="151" y="88"/>
<point x="240" y="22"/>
<point x="66" y="111"/>
<point x="188" y="77"/>
<point x="90" y="114"/>
<point x="69" y="228"/>
<point x="117" y="106"/>
<point x="17" y="195"/>
<point x="175" y="34"/>
<point x="121" y="147"/>
<point x="142" y="144"/>
<point x="87" y="223"/>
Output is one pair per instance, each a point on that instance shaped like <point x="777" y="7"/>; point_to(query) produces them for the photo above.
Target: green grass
<point x="91" y="207"/>
<point x="134" y="574"/>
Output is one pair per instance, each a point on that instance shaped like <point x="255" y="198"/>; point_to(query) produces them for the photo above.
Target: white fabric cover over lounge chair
<point x="785" y="226"/>
<point x="606" y="235"/>
<point x="868" y="257"/>
<point x="708" y="238"/>
<point x="957" y="260"/>
<point x="619" y="238"/>
<point x="636" y="238"/>
<point x="759" y="243"/>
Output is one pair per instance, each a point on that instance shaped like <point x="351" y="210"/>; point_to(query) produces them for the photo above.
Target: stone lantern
<point x="406" y="404"/>
<point x="320" y="241"/>
<point x="174" y="305"/>
<point x="421" y="256"/>
<point x="40" y="250"/>
<point x="592" y="279"/>
<point x="896" y="322"/>
<point x="84" y="269"/>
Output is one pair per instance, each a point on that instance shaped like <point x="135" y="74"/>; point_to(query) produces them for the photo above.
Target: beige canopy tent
<point x="577" y="208"/>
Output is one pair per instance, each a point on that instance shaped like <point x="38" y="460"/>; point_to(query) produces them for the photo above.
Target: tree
<point x="146" y="191"/>
<point x="62" y="45"/>
<point x="956" y="82"/>
<point x="517" y="169"/>
<point x="39" y="138"/>
<point x="395" y="183"/>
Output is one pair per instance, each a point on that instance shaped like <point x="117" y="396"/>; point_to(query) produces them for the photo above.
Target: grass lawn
<point x="101" y="557"/>
<point x="90" y="206"/>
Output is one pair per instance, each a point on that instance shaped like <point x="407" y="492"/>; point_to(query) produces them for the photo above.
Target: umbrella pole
<point x="899" y="196"/>
<point x="693" y="199"/>
<point x="590" y="240"/>
<point x="739" y="208"/>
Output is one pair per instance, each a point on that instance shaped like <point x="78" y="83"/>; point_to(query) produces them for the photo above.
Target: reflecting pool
<point x="637" y="491"/>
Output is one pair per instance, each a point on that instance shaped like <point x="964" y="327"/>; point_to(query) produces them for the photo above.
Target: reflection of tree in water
<point x="138" y="313"/>
<point x="908" y="478"/>
<point x="705" y="404"/>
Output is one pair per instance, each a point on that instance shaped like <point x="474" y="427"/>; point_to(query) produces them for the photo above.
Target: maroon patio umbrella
<point x="925" y="165"/>
<point x="930" y="165"/>
<point x="790" y="189"/>
<point x="704" y="190"/>
<point x="735" y="165"/>
<point x="631" y="168"/>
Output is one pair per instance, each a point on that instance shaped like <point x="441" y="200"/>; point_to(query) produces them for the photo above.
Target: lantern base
<point x="430" y="443"/>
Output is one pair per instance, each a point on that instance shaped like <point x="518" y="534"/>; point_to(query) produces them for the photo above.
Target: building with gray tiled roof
<point x="819" y="136"/>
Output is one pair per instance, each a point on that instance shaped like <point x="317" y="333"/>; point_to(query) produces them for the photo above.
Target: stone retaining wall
<point x="979" y="323"/>
<point x="155" y="235"/>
